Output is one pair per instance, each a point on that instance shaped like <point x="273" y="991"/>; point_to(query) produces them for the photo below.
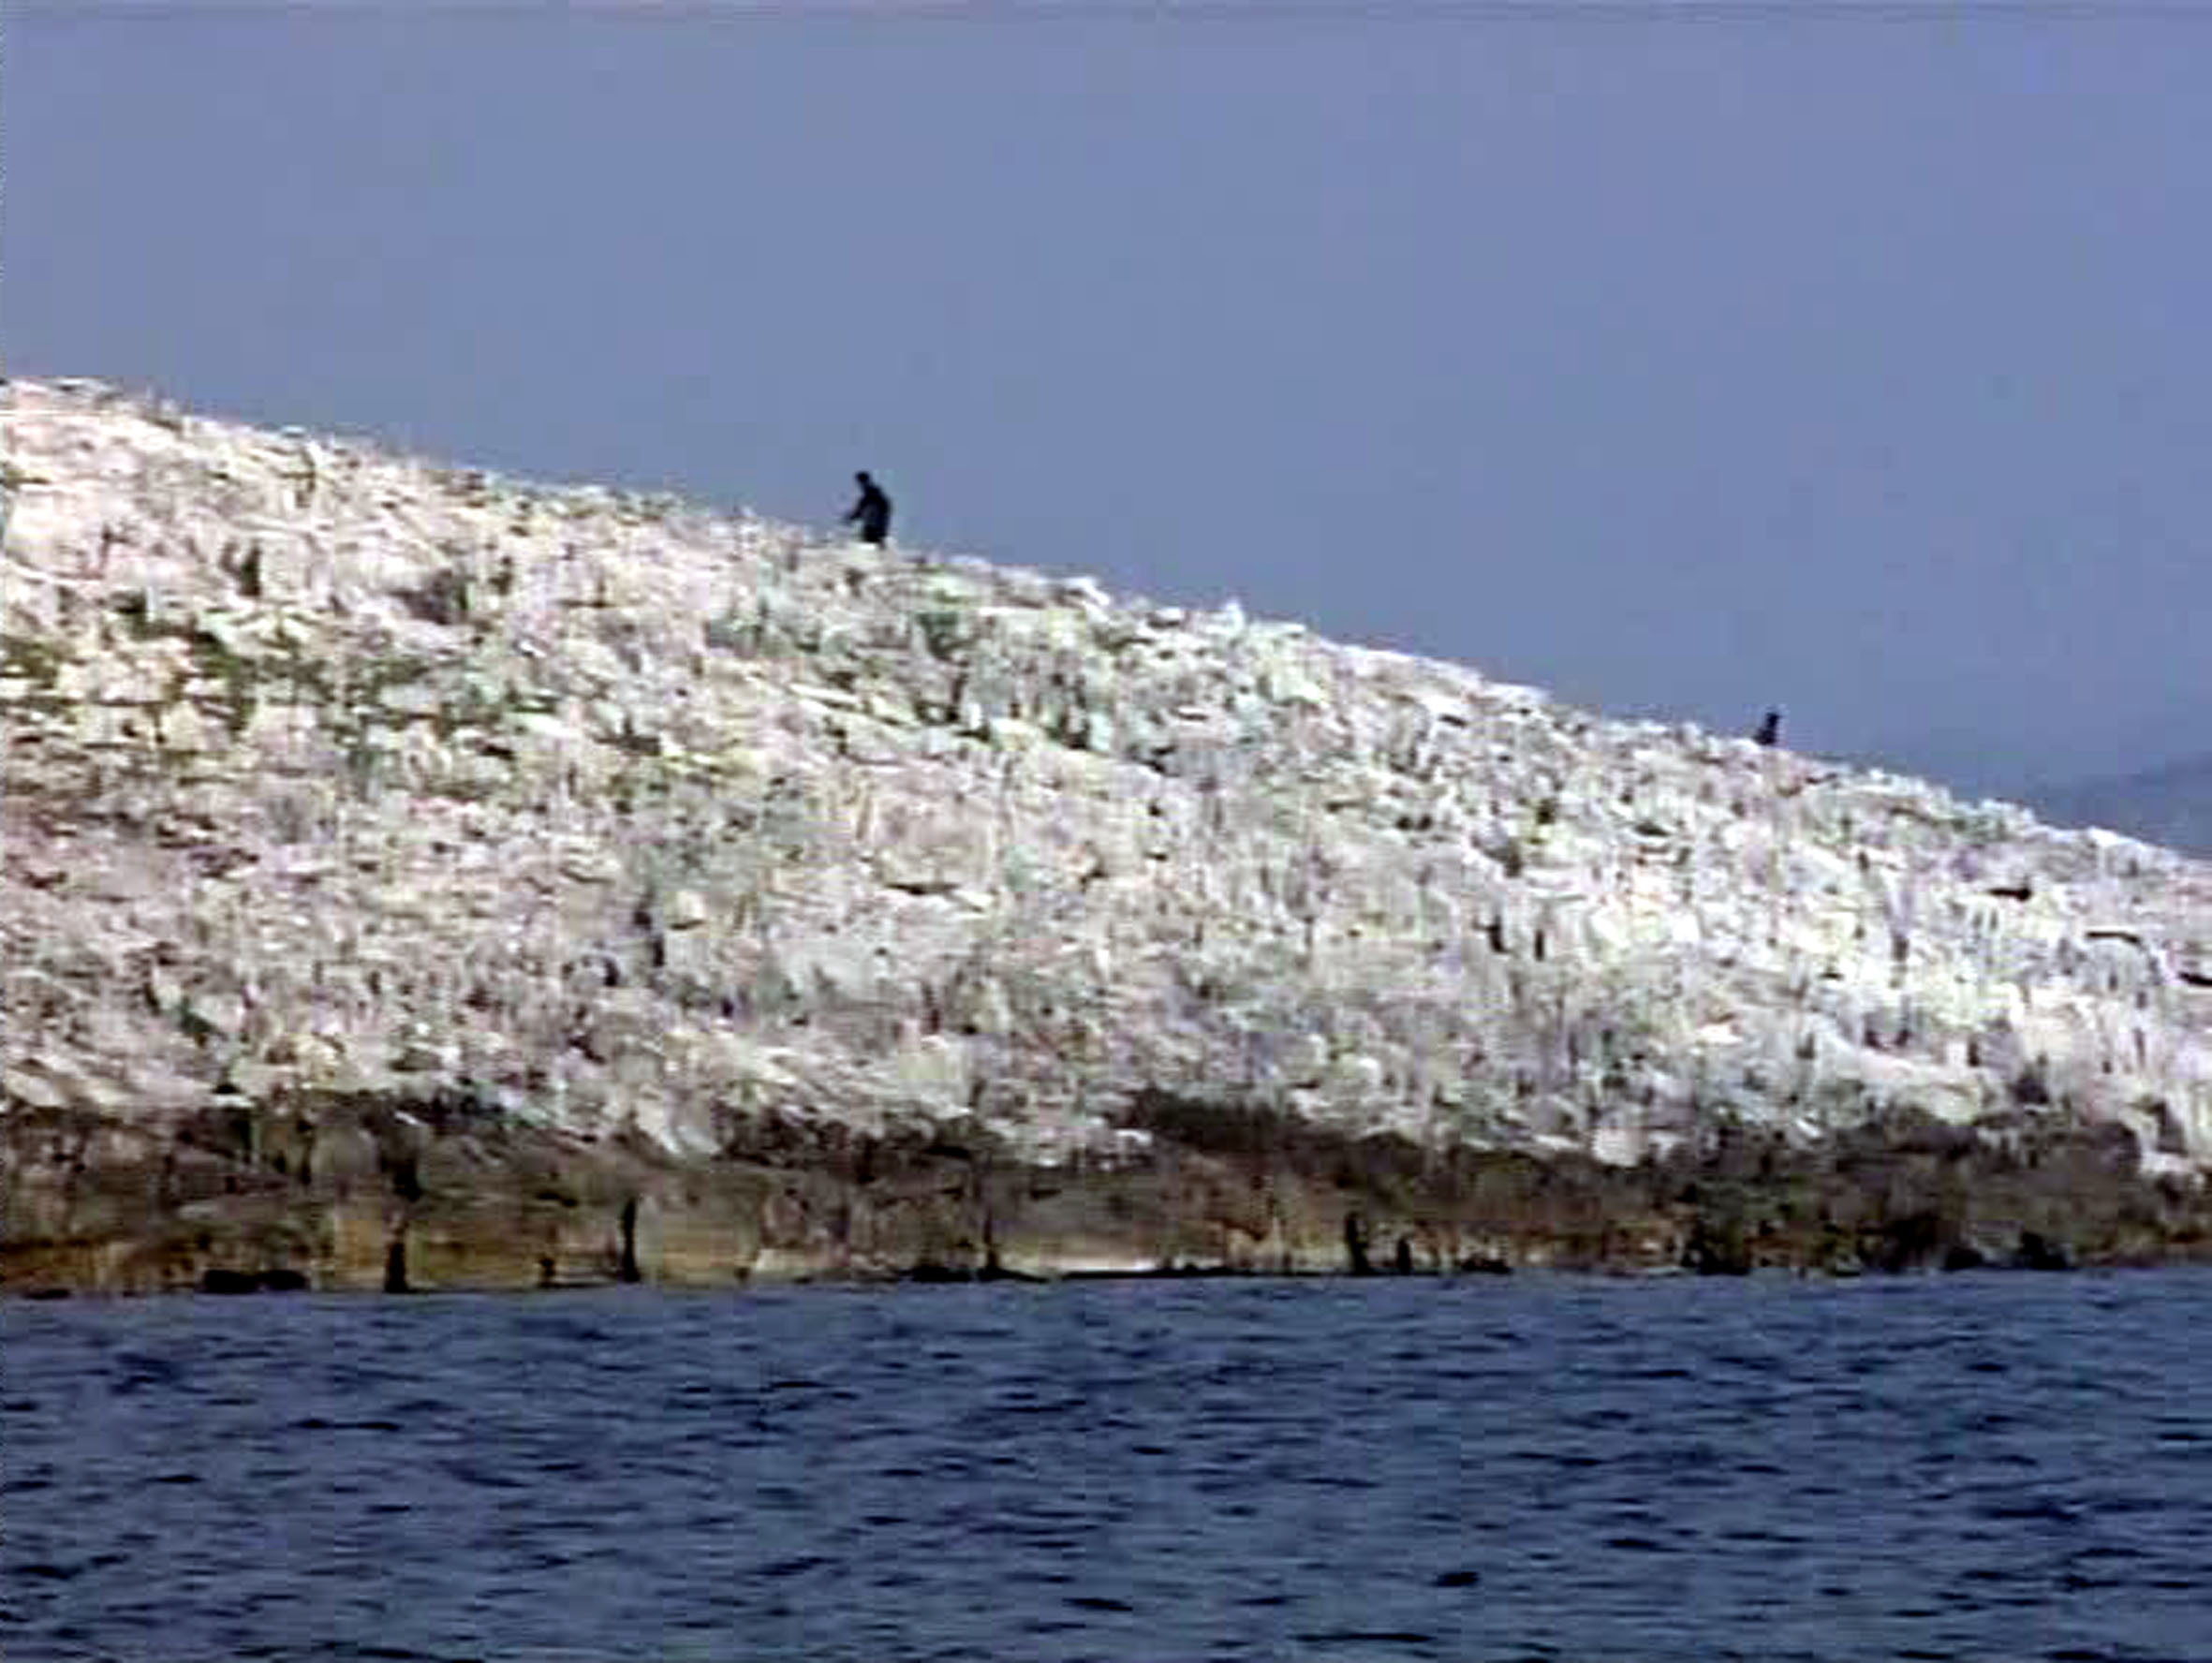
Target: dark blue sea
<point x="1990" y="1467"/>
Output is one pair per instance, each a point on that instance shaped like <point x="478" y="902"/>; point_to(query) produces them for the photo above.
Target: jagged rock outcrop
<point x="339" y="787"/>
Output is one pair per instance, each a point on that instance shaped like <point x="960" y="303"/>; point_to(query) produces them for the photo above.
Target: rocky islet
<point x="415" y="877"/>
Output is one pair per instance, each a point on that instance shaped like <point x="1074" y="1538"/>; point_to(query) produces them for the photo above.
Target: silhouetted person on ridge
<point x="1770" y="729"/>
<point x="872" y="513"/>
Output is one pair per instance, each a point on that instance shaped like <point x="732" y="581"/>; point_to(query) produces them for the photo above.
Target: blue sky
<point x="1681" y="360"/>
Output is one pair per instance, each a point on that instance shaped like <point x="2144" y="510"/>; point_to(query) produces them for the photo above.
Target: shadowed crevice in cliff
<point x="365" y="1191"/>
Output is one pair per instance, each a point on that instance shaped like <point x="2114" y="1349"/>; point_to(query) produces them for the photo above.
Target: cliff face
<point x="409" y="809"/>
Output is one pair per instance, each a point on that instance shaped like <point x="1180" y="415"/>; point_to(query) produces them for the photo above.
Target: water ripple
<point x="1593" y="1472"/>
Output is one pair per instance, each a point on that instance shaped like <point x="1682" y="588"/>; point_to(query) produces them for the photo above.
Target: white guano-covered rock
<point x="331" y="769"/>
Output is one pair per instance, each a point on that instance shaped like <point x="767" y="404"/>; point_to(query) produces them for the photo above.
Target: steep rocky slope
<point x="410" y="867"/>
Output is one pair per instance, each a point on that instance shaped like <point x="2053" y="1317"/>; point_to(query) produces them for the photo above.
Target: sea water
<point x="1981" y="1466"/>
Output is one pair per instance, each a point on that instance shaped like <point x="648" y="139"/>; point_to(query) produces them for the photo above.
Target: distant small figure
<point x="1770" y="729"/>
<point x="872" y="513"/>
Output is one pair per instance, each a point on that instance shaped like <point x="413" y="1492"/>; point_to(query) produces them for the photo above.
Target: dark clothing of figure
<point x="1770" y="729"/>
<point x="872" y="513"/>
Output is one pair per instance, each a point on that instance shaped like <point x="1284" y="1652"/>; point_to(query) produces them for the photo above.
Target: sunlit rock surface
<point x="337" y="777"/>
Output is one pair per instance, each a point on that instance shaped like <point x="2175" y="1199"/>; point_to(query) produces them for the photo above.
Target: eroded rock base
<point x="437" y="1193"/>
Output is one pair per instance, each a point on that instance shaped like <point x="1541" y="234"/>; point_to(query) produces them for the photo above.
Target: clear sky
<point x="1681" y="358"/>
